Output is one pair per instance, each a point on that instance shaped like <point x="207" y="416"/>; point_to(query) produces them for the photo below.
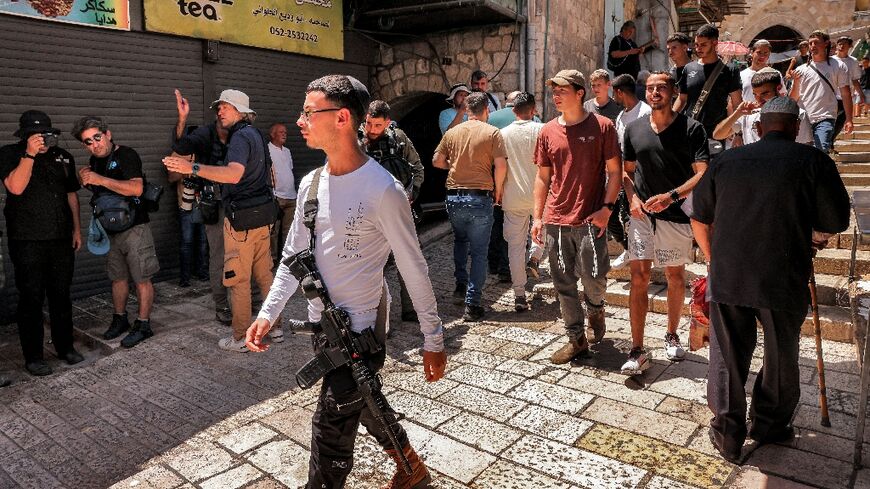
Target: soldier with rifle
<point x="354" y="214"/>
<point x="390" y="146"/>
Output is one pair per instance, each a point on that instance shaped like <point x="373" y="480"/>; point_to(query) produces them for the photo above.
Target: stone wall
<point x="574" y="38"/>
<point x="804" y="17"/>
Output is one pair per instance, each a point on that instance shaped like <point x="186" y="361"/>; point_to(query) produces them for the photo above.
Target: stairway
<point x="852" y="154"/>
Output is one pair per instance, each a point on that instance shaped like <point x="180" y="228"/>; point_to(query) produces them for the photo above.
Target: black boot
<point x="140" y="332"/>
<point x="119" y="325"/>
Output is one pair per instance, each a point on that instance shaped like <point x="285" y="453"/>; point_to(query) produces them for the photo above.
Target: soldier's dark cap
<point x="32" y="122"/>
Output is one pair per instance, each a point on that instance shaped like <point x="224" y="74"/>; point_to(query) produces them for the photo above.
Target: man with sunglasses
<point x="115" y="169"/>
<point x="42" y="223"/>
<point x="247" y="179"/>
<point x="362" y="216"/>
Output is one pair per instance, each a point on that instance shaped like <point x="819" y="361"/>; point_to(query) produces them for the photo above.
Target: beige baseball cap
<point x="568" y="77"/>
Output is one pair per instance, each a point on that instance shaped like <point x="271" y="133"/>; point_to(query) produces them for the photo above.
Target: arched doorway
<point x="417" y="115"/>
<point x="783" y="42"/>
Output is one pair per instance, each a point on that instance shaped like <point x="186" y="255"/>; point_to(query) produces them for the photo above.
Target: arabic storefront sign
<point x="114" y="14"/>
<point x="300" y="26"/>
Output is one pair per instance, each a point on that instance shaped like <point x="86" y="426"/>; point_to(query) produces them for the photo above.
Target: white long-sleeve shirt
<point x="362" y="217"/>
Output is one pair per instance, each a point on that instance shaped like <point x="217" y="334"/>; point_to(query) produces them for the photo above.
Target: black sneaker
<point x="732" y="456"/>
<point x="780" y="436"/>
<point x="140" y="332"/>
<point x="410" y="317"/>
<point x="72" y="357"/>
<point x="119" y="325"/>
<point x="459" y="294"/>
<point x="520" y="304"/>
<point x="224" y="315"/>
<point x="38" y="368"/>
<point x="473" y="313"/>
<point x="184" y="283"/>
<point x="4" y="381"/>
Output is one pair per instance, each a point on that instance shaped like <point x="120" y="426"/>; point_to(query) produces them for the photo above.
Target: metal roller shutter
<point x="126" y="77"/>
<point x="276" y="84"/>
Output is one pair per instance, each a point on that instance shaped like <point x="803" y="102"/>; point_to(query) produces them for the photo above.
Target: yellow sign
<point x="311" y="27"/>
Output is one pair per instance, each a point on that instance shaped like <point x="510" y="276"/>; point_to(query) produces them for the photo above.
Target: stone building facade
<point x="801" y="16"/>
<point x="557" y="35"/>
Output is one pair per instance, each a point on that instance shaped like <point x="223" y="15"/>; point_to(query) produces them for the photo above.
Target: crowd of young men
<point x="625" y="163"/>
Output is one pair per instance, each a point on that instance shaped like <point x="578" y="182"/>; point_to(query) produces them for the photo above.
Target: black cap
<point x="32" y="122"/>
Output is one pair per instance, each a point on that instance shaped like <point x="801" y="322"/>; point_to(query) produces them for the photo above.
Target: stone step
<point x="835" y="321"/>
<point x="832" y="290"/>
<point x="846" y="157"/>
<point x="835" y="261"/>
<point x="851" y="168"/>
<point x="855" y="179"/>
<point x="853" y="145"/>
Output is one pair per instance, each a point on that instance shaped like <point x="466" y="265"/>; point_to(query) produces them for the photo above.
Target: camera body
<point x="49" y="139"/>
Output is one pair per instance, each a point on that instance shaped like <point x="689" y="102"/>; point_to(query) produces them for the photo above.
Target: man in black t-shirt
<point x="760" y="262"/>
<point x="695" y="75"/>
<point x="42" y="223"/>
<point x="623" y="55"/>
<point x="678" y="52"/>
<point x="665" y="155"/>
<point x="117" y="170"/>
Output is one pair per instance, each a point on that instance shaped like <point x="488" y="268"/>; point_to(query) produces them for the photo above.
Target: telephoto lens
<point x="49" y="139"/>
<point x="188" y="195"/>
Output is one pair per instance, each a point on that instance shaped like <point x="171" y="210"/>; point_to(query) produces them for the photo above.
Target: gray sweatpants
<point x="577" y="253"/>
<point x="516" y="233"/>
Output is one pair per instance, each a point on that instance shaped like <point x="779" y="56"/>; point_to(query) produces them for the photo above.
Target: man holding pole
<point x="760" y="262"/>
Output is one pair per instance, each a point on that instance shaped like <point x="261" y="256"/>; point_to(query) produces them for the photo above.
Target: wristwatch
<point x="28" y="155"/>
<point x="195" y="169"/>
<point x="610" y="205"/>
<point x="675" y="196"/>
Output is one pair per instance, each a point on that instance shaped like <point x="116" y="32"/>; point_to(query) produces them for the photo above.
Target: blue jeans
<point x="193" y="240"/>
<point x="471" y="219"/>
<point x="823" y="135"/>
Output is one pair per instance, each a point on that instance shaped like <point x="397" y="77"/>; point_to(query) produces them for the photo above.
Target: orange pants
<point x="246" y="254"/>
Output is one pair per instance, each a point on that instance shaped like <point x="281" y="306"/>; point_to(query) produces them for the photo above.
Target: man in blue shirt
<point x="454" y="115"/>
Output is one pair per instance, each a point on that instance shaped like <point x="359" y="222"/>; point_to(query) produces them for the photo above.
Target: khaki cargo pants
<point x="246" y="254"/>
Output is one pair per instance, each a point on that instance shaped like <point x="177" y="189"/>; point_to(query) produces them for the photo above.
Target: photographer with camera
<point x="249" y="206"/>
<point x="207" y="145"/>
<point x="42" y="223"/>
<point x="355" y="213"/>
<point x="114" y="174"/>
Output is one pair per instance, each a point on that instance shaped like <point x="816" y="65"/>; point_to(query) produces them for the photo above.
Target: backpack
<point x="390" y="153"/>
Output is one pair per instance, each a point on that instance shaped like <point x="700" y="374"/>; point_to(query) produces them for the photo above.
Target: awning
<point x="420" y="17"/>
<point x="695" y="13"/>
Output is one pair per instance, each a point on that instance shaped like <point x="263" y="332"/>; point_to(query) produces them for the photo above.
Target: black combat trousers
<point x="340" y="410"/>
<point x="497" y="256"/>
<point x="776" y="392"/>
<point x="43" y="269"/>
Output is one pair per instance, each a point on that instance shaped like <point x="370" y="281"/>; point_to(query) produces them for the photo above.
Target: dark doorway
<point x="417" y="115"/>
<point x="781" y="38"/>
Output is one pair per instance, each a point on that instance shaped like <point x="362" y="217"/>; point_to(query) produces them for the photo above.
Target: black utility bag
<point x="253" y="212"/>
<point x="115" y="212"/>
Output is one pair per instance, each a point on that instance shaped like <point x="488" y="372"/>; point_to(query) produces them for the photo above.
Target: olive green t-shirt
<point x="471" y="148"/>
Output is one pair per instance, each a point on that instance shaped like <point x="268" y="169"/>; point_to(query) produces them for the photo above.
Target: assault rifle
<point x="337" y="346"/>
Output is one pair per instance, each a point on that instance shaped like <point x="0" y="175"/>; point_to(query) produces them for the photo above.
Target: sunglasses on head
<point x="96" y="138"/>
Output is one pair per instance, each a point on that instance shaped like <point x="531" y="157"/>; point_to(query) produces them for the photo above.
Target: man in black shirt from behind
<point x="695" y="74"/>
<point x="115" y="169"/>
<point x="757" y="214"/>
<point x="42" y="222"/>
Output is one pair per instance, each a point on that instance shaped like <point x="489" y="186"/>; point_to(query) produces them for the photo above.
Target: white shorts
<point x="669" y="245"/>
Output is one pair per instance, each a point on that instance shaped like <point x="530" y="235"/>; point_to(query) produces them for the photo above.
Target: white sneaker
<point x="620" y="261"/>
<point x="230" y="344"/>
<point x="637" y="362"/>
<point x="673" y="349"/>
<point x="277" y="334"/>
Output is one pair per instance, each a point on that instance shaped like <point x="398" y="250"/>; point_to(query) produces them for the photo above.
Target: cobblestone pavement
<point x="177" y="412"/>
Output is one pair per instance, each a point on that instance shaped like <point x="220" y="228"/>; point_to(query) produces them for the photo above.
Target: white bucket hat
<point x="235" y="98"/>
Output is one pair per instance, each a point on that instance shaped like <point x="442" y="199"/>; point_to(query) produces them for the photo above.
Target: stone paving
<point x="178" y="412"/>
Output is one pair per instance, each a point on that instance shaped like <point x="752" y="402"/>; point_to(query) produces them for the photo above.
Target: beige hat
<point x="235" y="98"/>
<point x="568" y="77"/>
